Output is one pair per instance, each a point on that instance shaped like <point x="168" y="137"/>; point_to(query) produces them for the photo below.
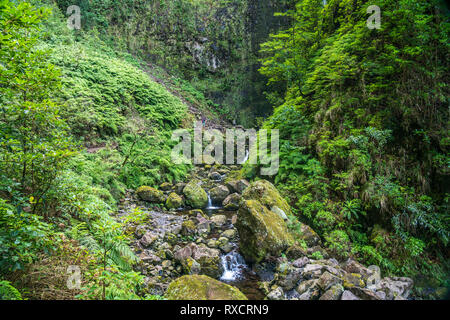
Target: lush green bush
<point x="363" y="127"/>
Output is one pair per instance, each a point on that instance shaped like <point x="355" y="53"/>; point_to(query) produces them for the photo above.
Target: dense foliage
<point x="79" y="126"/>
<point x="87" y="115"/>
<point x="364" y="128"/>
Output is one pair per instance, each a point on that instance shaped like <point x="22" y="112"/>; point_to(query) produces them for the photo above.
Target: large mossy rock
<point x="150" y="194"/>
<point x="207" y="259"/>
<point x="261" y="231"/>
<point x="266" y="194"/>
<point x="196" y="197"/>
<point x="195" y="287"/>
<point x="218" y="194"/>
<point x="174" y="201"/>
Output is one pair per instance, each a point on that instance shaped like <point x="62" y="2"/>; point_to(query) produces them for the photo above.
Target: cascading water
<point x="210" y="204"/>
<point x="233" y="265"/>
<point x="247" y="156"/>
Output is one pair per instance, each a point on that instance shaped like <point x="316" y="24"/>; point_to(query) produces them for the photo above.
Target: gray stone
<point x="347" y="295"/>
<point x="334" y="293"/>
<point x="327" y="280"/>
<point x="276" y="294"/>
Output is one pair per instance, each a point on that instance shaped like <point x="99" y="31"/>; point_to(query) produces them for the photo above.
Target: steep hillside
<point x="213" y="45"/>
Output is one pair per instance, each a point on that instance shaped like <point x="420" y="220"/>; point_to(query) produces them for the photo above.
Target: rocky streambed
<point x="220" y="237"/>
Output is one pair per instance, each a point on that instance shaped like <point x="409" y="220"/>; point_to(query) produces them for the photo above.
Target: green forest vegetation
<point x="87" y="116"/>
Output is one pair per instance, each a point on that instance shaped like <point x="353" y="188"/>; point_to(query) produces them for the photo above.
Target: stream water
<point x="238" y="274"/>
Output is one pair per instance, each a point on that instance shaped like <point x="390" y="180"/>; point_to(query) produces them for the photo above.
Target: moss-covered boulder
<point x="150" y="194"/>
<point x="218" y="194"/>
<point x="196" y="197"/>
<point x="188" y="228"/>
<point x="267" y="194"/>
<point x="197" y="287"/>
<point x="174" y="201"/>
<point x="165" y="186"/>
<point x="261" y="231"/>
<point x="209" y="260"/>
<point x="206" y="260"/>
<point x="232" y="202"/>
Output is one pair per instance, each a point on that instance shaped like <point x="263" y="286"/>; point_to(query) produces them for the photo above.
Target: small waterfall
<point x="247" y="156"/>
<point x="210" y="204"/>
<point x="233" y="264"/>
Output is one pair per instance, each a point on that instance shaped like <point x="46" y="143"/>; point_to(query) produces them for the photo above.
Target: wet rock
<point x="300" y="263"/>
<point x="351" y="266"/>
<point x="197" y="213"/>
<point x="395" y="287"/>
<point x="347" y="295"/>
<point x="196" y="197"/>
<point x="231" y="202"/>
<point x="183" y="253"/>
<point x="218" y="194"/>
<point x="150" y="258"/>
<point x="261" y="231"/>
<point x="202" y="288"/>
<point x="267" y="195"/>
<point x="241" y="185"/>
<point x="219" y="220"/>
<point x="179" y="187"/>
<point x="334" y="293"/>
<point x="327" y="280"/>
<point x="148" y="239"/>
<point x="230" y="234"/>
<point x="353" y="280"/>
<point x="280" y="212"/>
<point x="188" y="228"/>
<point x="290" y="279"/>
<point x="238" y="186"/>
<point x="318" y="249"/>
<point x="364" y="294"/>
<point x="313" y="271"/>
<point x="225" y="245"/>
<point x="203" y="226"/>
<point x="209" y="260"/>
<point x="276" y="294"/>
<point x="295" y="252"/>
<point x="309" y="236"/>
<point x="292" y="295"/>
<point x="139" y="232"/>
<point x="308" y="290"/>
<point x="166" y="186"/>
<point x="190" y="266"/>
<point x="150" y="194"/>
<point x="212" y="243"/>
<point x="174" y="201"/>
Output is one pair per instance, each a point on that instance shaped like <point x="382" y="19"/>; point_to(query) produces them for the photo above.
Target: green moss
<point x="261" y="231"/>
<point x="195" y="287"/>
<point x="266" y="194"/>
<point x="174" y="201"/>
<point x="196" y="197"/>
<point x="150" y="194"/>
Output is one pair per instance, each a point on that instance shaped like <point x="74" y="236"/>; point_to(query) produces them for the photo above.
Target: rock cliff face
<point x="212" y="41"/>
